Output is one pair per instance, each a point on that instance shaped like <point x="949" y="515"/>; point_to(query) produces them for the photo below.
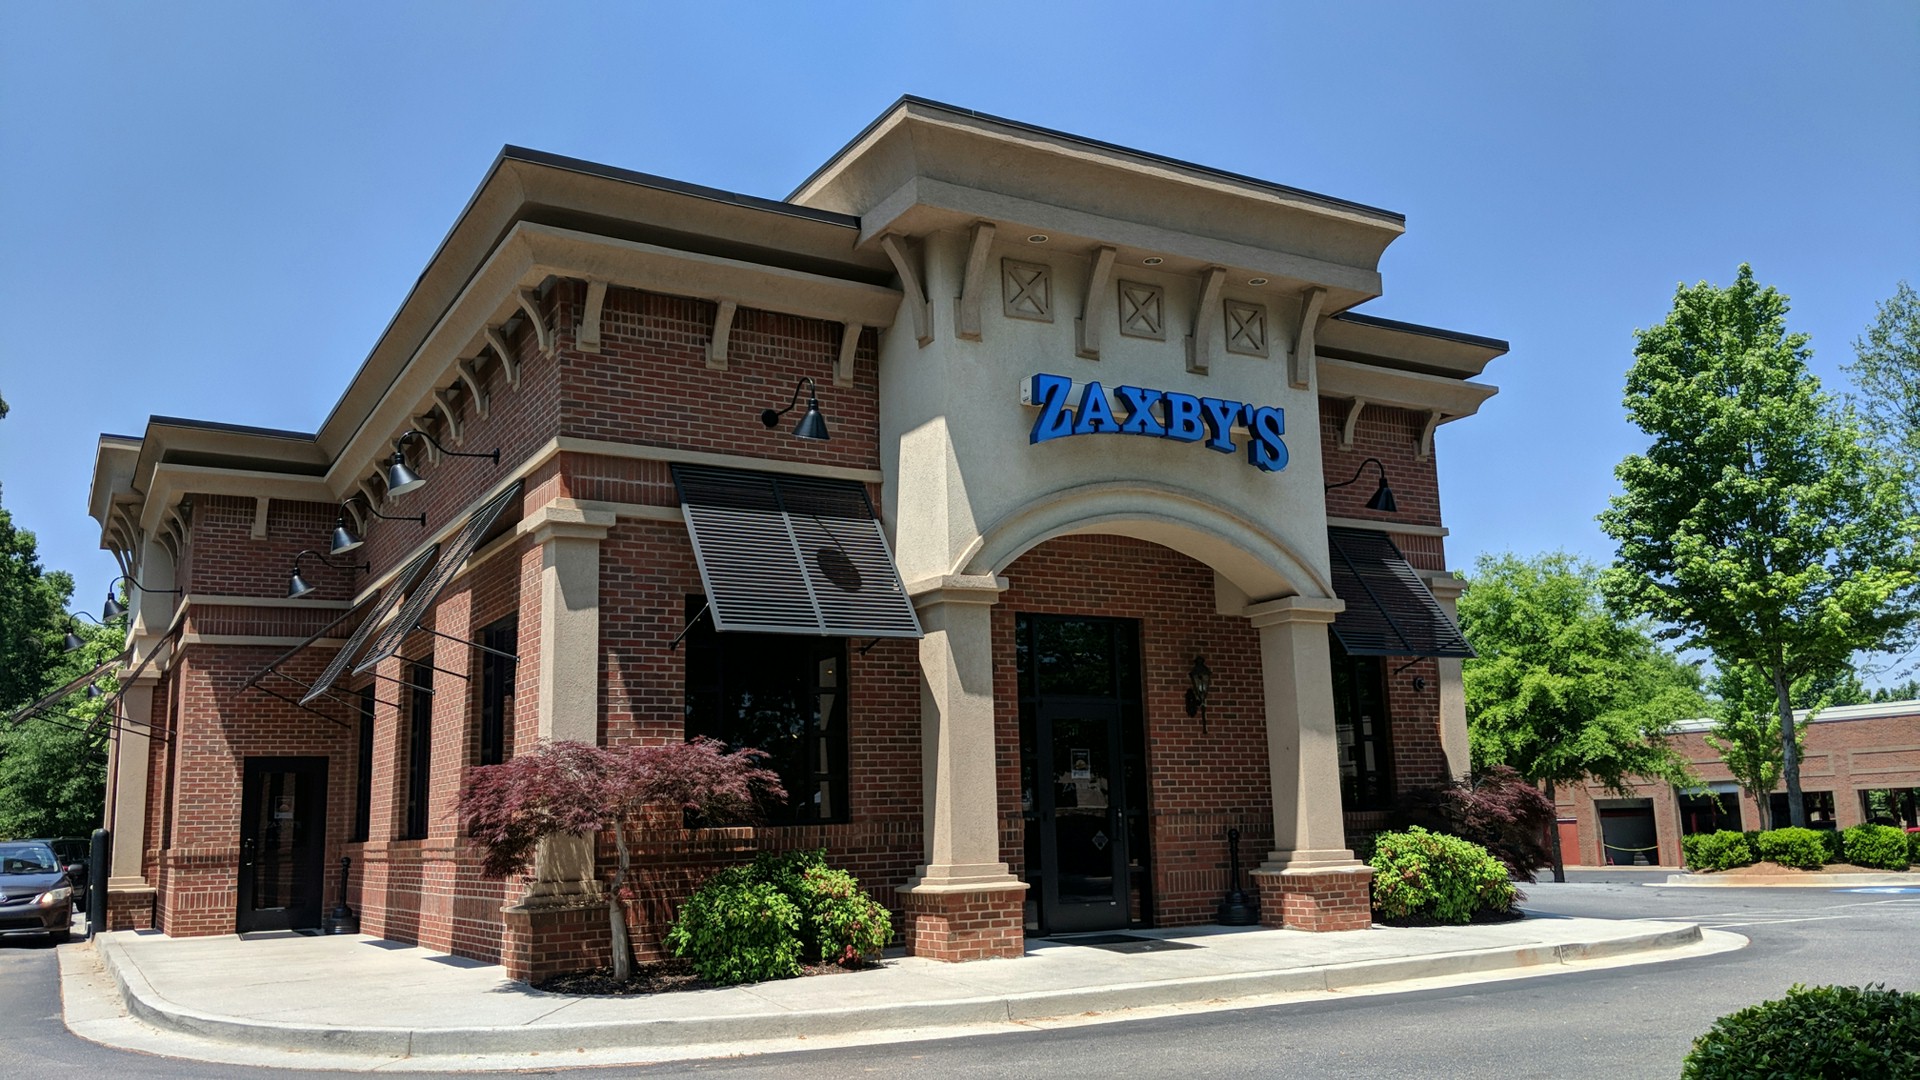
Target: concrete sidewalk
<point x="359" y="1003"/>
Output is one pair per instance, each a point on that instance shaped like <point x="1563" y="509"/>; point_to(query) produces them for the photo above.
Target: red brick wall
<point x="1202" y="783"/>
<point x="1845" y="757"/>
<point x="1391" y="435"/>
<point x="650" y="383"/>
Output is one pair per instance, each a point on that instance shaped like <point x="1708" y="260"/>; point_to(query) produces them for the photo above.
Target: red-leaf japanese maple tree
<point x="566" y="788"/>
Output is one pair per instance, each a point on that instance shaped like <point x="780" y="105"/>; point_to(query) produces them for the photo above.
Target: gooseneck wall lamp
<point x="345" y="539"/>
<point x="401" y="479"/>
<point x="113" y="608"/>
<point x="75" y="642"/>
<point x="811" y="425"/>
<point x="297" y="586"/>
<point x="1382" y="499"/>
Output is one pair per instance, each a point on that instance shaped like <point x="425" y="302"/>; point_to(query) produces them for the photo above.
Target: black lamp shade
<point x="93" y="692"/>
<point x="343" y="538"/>
<point x="812" y="425"/>
<point x="401" y="479"/>
<point x="297" y="586"/>
<point x="1382" y="500"/>
<point x="74" y="644"/>
<point x="112" y="609"/>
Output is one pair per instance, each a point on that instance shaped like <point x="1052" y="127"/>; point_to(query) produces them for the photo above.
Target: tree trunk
<point x="617" y="910"/>
<point x="1789" y="758"/>
<point x="1559" y="863"/>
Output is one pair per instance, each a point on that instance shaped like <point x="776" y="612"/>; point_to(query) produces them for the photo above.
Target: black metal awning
<point x="1390" y="611"/>
<point x="377" y="609"/>
<point x="66" y="691"/>
<point x="477" y="528"/>
<point x="792" y="555"/>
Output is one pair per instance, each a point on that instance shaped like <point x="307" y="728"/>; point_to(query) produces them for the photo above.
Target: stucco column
<point x="963" y="902"/>
<point x="568" y="698"/>
<point x="1453" y="692"/>
<point x="1302" y="755"/>
<point x="1310" y="881"/>
<point x="129" y="893"/>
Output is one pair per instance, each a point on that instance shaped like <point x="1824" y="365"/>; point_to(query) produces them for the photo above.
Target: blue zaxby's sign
<point x="1159" y="414"/>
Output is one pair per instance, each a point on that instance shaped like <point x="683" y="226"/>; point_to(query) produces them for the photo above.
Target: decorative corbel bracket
<point x="966" y="309"/>
<point x="498" y="342"/>
<point x="916" y="294"/>
<point x="358" y="512"/>
<point x="1206" y="314"/>
<point x="723" y="313"/>
<point x="588" y="336"/>
<point x="470" y="375"/>
<point x="1300" y="364"/>
<point x="261" y="504"/>
<point x="849" y="346"/>
<point x="1354" y="409"/>
<point x="1424" y="448"/>
<point x="1093" y="313"/>
<point x="530" y="304"/>
<point x="443" y="401"/>
<point x="370" y="492"/>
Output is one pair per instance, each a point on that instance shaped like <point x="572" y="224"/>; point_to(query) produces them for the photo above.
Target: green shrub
<point x="1839" y="1031"/>
<point x="737" y="930"/>
<point x="1723" y="850"/>
<point x="1913" y="847"/>
<point x="1835" y="852"/>
<point x="1882" y="847"/>
<point x="1803" y="849"/>
<point x="1420" y="873"/>
<point x="831" y="918"/>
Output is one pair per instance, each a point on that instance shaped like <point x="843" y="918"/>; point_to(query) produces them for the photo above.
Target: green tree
<point x="1906" y="691"/>
<point x="53" y="764"/>
<point x="1746" y="728"/>
<point x="1758" y="525"/>
<point x="32" y="617"/>
<point x="1886" y="374"/>
<point x="1562" y="689"/>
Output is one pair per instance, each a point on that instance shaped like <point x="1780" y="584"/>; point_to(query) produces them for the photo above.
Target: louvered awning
<point x="377" y="608"/>
<point x="792" y="555"/>
<point x="452" y="558"/>
<point x="1390" y="611"/>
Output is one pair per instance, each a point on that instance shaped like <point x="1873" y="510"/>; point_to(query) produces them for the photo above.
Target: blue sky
<point x="212" y="210"/>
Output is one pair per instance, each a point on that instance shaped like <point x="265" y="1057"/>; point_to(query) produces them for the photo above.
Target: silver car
<point x="36" y="895"/>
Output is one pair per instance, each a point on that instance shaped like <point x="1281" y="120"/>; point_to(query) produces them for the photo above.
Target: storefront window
<point x="363" y="769"/>
<point x="1709" y="811"/>
<point x="1891" y="806"/>
<point x="785" y="694"/>
<point x="1360" y="727"/>
<point x="496" y="688"/>
<point x="419" y="748"/>
<point x="1819" y="806"/>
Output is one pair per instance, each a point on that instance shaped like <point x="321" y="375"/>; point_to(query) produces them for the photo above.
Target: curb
<point x="1805" y="879"/>
<point x="145" y="1004"/>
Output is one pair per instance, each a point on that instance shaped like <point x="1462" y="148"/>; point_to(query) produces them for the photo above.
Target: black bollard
<point x="1234" y="909"/>
<point x="341" y="920"/>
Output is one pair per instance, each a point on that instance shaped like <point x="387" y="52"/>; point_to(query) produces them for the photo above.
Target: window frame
<point x="706" y="645"/>
<point x="419" y="744"/>
<point x="499" y="690"/>
<point x="1346" y="716"/>
<point x="363" y="770"/>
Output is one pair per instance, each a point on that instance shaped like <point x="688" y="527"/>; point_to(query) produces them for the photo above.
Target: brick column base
<point x="547" y="940"/>
<point x="965" y="924"/>
<point x="130" y="908"/>
<point x="1340" y="898"/>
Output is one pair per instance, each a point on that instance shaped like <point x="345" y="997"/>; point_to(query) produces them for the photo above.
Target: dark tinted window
<point x="419" y="749"/>
<point x="785" y="694"/>
<point x="363" y="770"/>
<point x="497" y="675"/>
<point x="1360" y="727"/>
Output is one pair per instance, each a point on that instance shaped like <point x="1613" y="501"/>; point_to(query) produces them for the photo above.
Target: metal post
<point x="1234" y="909"/>
<point x="341" y="920"/>
<point x="99" y="859"/>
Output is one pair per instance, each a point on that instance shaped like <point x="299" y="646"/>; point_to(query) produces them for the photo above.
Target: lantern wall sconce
<point x="345" y="539"/>
<point x="113" y="608"/>
<point x="297" y="586"/>
<point x="402" y="479"/>
<point x="1199" y="685"/>
<point x="1382" y="499"/>
<point x="811" y="424"/>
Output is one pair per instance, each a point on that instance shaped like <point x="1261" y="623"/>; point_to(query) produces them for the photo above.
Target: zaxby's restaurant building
<point x="1039" y="505"/>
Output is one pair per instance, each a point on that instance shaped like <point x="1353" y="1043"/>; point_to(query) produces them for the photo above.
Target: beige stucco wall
<point x="967" y="492"/>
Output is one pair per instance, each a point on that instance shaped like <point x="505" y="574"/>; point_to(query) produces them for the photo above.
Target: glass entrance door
<point x="1083" y="772"/>
<point x="283" y="809"/>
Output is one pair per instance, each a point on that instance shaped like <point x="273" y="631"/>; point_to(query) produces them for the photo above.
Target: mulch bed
<point x="1769" y="869"/>
<point x="657" y="977"/>
<point x="1480" y="918"/>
